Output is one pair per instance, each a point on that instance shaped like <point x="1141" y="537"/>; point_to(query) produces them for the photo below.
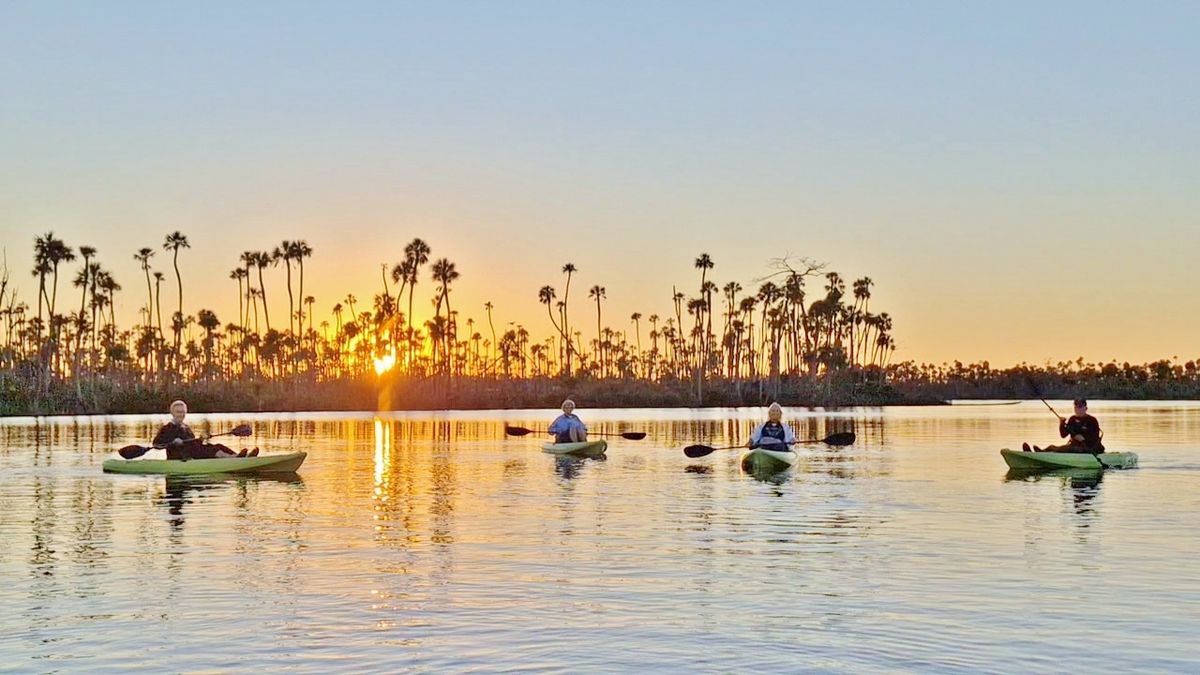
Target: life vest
<point x="774" y="430"/>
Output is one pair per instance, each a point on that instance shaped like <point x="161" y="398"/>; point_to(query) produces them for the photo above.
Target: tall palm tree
<point x="416" y="253"/>
<point x="143" y="257"/>
<point x="568" y="269"/>
<point x="158" y="279"/>
<point x="286" y="252"/>
<point x="238" y="274"/>
<point x="262" y="260"/>
<point x="444" y="273"/>
<point x="249" y="260"/>
<point x="636" y="318"/>
<point x="487" y="306"/>
<point x="597" y="292"/>
<point x="704" y="263"/>
<point x="81" y="281"/>
<point x="173" y="242"/>
<point x="301" y="250"/>
<point x="41" y="267"/>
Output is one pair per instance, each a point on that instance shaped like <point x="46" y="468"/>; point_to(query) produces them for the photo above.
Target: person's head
<point x="775" y="412"/>
<point x="1080" y="406"/>
<point x="568" y="407"/>
<point x="178" y="410"/>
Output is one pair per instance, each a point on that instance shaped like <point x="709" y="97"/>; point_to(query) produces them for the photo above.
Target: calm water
<point x="429" y="542"/>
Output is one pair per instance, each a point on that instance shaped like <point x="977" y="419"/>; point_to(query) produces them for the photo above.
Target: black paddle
<point x="631" y="435"/>
<point x="135" y="451"/>
<point x="1037" y="392"/>
<point x="842" y="438"/>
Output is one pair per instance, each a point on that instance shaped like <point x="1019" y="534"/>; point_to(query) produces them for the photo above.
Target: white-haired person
<point x="567" y="427"/>
<point x="181" y="442"/>
<point x="773" y="432"/>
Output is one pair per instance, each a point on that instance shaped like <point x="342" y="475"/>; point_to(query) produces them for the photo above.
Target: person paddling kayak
<point x="181" y="442"/>
<point x="1082" y="429"/>
<point x="567" y="427"/>
<point x="773" y="432"/>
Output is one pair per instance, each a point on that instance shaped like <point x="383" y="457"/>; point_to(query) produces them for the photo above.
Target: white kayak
<point x="584" y="448"/>
<point x="767" y="460"/>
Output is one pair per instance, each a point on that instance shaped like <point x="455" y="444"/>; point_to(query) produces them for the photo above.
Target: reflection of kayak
<point x="764" y="459"/>
<point x="585" y="448"/>
<point x="1017" y="459"/>
<point x="193" y="467"/>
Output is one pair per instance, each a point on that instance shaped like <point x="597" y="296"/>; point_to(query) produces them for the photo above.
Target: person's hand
<point x="1078" y="437"/>
<point x="177" y="442"/>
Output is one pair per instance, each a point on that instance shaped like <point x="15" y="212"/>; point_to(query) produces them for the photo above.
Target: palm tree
<point x="444" y="273"/>
<point x="416" y="253"/>
<point x="636" y="318"/>
<point x="597" y="292"/>
<point x="143" y="257"/>
<point x="704" y="263"/>
<point x="173" y="242"/>
<point x="301" y="251"/>
<point x="249" y="260"/>
<point x="41" y="267"/>
<point x="209" y="322"/>
<point x="487" y="306"/>
<point x="546" y="296"/>
<point x="238" y="274"/>
<point x="81" y="281"/>
<point x="263" y="259"/>
<point x="568" y="269"/>
<point x="158" y="279"/>
<point x="286" y="252"/>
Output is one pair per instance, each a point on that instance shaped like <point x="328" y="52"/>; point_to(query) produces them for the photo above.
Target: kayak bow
<point x="585" y="448"/>
<point x="761" y="460"/>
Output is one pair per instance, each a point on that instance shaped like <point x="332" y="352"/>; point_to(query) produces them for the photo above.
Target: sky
<point x="1020" y="180"/>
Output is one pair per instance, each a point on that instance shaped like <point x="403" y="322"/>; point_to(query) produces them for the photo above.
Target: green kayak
<point x="194" y="467"/>
<point x="764" y="460"/>
<point x="586" y="448"/>
<point x="1017" y="459"/>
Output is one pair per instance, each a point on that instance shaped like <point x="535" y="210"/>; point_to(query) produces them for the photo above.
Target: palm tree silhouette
<point x="173" y="242"/>
<point x="597" y="292"/>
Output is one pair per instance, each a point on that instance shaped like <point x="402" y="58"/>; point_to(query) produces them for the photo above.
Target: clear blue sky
<point x="1021" y="180"/>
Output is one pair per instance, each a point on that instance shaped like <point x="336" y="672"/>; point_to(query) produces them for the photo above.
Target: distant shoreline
<point x="111" y="396"/>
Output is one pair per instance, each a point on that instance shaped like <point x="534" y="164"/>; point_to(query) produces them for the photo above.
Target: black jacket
<point x="1084" y="425"/>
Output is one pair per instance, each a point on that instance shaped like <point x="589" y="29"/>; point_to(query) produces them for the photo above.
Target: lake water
<point x="430" y="542"/>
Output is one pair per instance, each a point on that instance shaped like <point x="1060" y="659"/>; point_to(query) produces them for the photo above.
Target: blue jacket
<point x="563" y="424"/>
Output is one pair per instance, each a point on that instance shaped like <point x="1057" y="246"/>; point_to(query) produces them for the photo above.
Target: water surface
<point x="429" y="542"/>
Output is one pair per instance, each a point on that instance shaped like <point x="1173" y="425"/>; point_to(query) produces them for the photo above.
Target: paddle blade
<point x="634" y="435"/>
<point x="843" y="438"/>
<point x="133" y="451"/>
<point x="698" y="450"/>
<point x="242" y="430"/>
<point x="517" y="431"/>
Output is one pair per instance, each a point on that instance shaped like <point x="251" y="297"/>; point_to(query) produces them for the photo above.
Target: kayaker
<point x="181" y="442"/>
<point x="773" y="432"/>
<point x="567" y="427"/>
<point x="1082" y="429"/>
